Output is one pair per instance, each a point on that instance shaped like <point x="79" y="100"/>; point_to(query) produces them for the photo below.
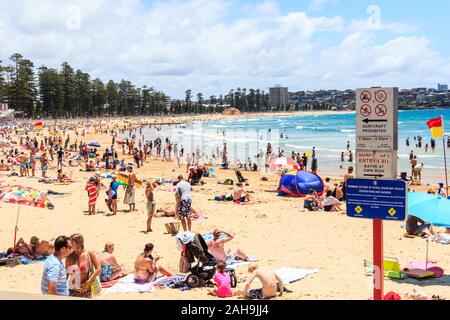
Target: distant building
<point x="278" y="97"/>
<point x="167" y="102"/>
<point x="420" y="98"/>
<point x="442" y="87"/>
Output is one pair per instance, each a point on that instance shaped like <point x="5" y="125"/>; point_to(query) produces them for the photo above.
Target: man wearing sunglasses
<point x="54" y="277"/>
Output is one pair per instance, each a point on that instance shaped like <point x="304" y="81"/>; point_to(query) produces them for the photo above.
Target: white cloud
<point x="215" y="45"/>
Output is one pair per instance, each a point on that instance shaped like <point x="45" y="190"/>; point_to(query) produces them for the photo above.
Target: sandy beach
<point x="275" y="230"/>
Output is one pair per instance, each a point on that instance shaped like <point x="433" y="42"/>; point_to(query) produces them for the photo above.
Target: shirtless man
<point x="271" y="283"/>
<point x="145" y="268"/>
<point x="110" y="268"/>
<point x="239" y="193"/>
<point x="131" y="189"/>
<point x="216" y="247"/>
<point x="151" y="205"/>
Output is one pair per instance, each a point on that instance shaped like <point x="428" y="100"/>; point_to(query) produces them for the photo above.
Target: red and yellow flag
<point x="38" y="126"/>
<point x="436" y="126"/>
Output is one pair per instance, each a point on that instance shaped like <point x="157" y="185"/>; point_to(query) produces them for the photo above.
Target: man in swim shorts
<point x="271" y="284"/>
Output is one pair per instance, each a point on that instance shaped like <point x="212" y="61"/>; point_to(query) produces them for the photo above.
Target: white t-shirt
<point x="185" y="188"/>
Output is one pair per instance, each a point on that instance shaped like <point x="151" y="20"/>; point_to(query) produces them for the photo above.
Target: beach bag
<point x="228" y="182"/>
<point x="95" y="286"/>
<point x="185" y="265"/>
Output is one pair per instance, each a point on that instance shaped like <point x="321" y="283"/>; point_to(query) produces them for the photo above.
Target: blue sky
<point x="212" y="46"/>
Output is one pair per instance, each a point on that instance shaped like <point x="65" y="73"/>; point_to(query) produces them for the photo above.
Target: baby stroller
<point x="204" y="270"/>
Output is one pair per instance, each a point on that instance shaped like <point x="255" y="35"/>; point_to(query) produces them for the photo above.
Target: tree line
<point x="67" y="92"/>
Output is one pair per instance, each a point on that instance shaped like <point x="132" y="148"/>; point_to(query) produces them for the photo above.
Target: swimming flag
<point x="437" y="127"/>
<point x="38" y="126"/>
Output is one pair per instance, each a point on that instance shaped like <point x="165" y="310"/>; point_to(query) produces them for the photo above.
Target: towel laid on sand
<point x="209" y="236"/>
<point x="172" y="282"/>
<point x="23" y="259"/>
<point x="290" y="275"/>
<point x="127" y="284"/>
<point x="240" y="263"/>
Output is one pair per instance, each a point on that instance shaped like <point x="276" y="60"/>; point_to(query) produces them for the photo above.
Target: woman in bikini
<point x="145" y="268"/>
<point x="111" y="270"/>
<point x="83" y="266"/>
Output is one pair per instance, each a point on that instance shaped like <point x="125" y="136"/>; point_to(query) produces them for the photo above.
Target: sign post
<point x="376" y="164"/>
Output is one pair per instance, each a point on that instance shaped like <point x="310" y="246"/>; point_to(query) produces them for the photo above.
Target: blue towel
<point x="209" y="236"/>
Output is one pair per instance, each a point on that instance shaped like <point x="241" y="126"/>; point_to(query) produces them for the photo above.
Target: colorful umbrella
<point x="284" y="163"/>
<point x="24" y="196"/>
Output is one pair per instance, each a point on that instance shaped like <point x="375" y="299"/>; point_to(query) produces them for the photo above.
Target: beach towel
<point x="290" y="275"/>
<point x="21" y="259"/>
<point x="209" y="236"/>
<point x="109" y="284"/>
<point x="239" y="263"/>
<point x="175" y="281"/>
<point x="443" y="238"/>
<point x="127" y="284"/>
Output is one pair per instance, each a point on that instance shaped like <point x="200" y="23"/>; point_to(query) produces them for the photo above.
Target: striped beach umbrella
<point x="21" y="195"/>
<point x="284" y="163"/>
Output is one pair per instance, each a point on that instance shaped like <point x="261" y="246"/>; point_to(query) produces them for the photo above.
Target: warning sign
<point x="381" y="110"/>
<point x="365" y="110"/>
<point x="376" y="121"/>
<point x="365" y="96"/>
<point x="376" y="199"/>
<point x="381" y="96"/>
<point x="376" y="165"/>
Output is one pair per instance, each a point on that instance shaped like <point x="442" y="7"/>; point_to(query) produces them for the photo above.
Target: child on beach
<point x="222" y="281"/>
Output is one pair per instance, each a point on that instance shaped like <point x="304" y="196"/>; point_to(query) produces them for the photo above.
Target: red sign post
<point x="378" y="264"/>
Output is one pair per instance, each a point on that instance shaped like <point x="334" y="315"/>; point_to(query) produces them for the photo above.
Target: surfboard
<point x="123" y="177"/>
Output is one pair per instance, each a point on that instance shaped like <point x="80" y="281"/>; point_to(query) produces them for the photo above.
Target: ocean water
<point x="329" y="134"/>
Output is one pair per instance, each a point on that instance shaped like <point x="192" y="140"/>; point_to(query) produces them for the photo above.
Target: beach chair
<point x="391" y="268"/>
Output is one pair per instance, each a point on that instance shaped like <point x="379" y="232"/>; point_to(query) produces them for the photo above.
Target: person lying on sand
<point x="170" y="212"/>
<point x="271" y="284"/>
<point x="110" y="268"/>
<point x="217" y="248"/>
<point x="62" y="177"/>
<point x="145" y="266"/>
<point x="239" y="194"/>
<point x="32" y="250"/>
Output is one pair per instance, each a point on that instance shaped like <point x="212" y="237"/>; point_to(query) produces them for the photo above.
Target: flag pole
<point x="445" y="158"/>
<point x="445" y="161"/>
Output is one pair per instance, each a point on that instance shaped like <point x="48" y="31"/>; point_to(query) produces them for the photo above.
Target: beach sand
<point x="275" y="231"/>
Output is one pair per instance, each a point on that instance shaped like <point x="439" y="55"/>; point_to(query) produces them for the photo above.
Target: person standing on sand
<point x="44" y="164"/>
<point x="93" y="192"/>
<point x="151" y="205"/>
<point x="314" y="165"/>
<point x="130" y="190"/>
<point x="183" y="200"/>
<point x="33" y="162"/>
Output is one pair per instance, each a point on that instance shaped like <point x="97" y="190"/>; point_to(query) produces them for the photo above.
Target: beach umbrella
<point x="284" y="163"/>
<point x="21" y="195"/>
<point x="94" y="144"/>
<point x="430" y="208"/>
